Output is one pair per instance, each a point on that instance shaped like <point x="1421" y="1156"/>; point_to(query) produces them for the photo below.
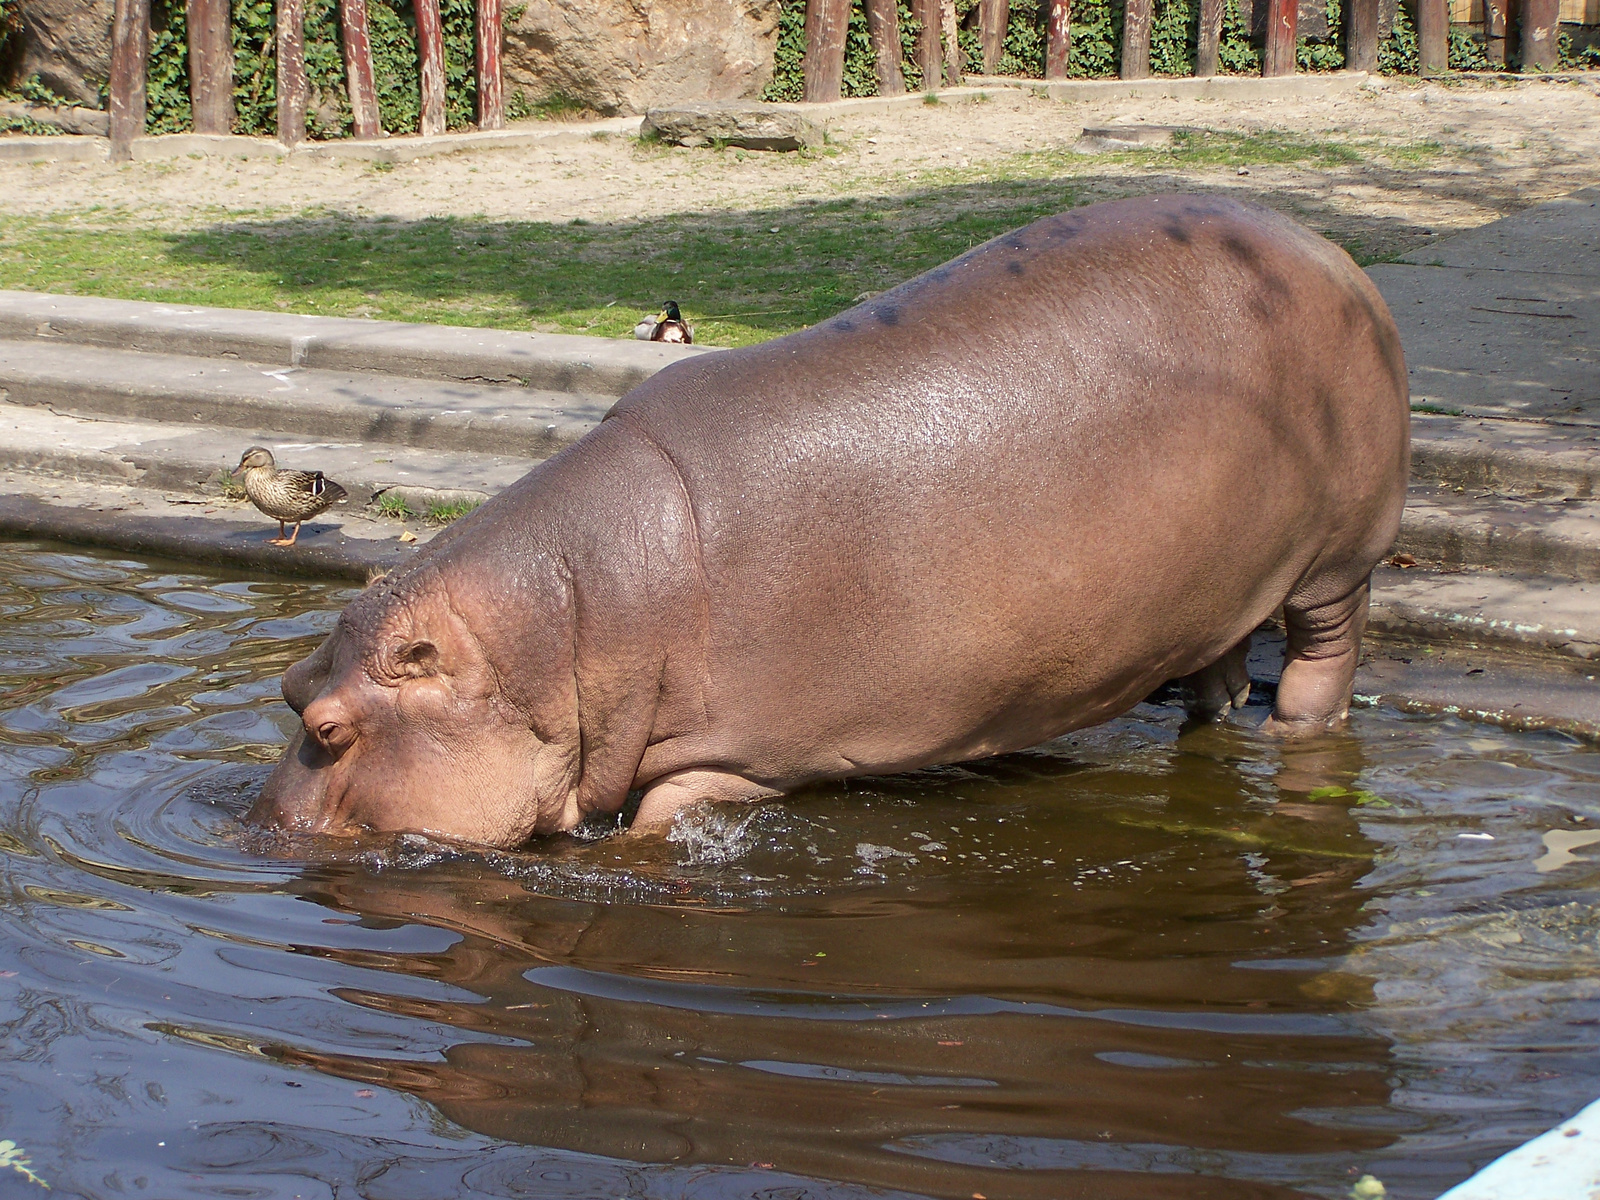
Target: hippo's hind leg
<point x="1211" y="691"/>
<point x="1319" y="662"/>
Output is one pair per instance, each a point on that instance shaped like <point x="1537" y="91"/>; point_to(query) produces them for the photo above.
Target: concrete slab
<point x="1493" y="342"/>
<point x="334" y="546"/>
<point x="1562" y="1164"/>
<point x="193" y="458"/>
<point x="1479" y="607"/>
<point x="65" y="148"/>
<point x="1484" y="683"/>
<point x="1231" y="87"/>
<point x="359" y="406"/>
<point x="1559" y="237"/>
<point x="1454" y="530"/>
<point x="553" y="362"/>
<point x="1504" y="320"/>
<point x="1506" y="456"/>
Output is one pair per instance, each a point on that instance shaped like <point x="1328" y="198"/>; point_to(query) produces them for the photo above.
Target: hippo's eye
<point x="334" y="736"/>
<point x="416" y="660"/>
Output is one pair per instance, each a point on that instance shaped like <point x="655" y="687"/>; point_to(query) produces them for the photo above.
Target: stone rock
<point x="69" y="119"/>
<point x="1109" y="138"/>
<point x="748" y="126"/>
<point x="624" y="56"/>
<point x="67" y="44"/>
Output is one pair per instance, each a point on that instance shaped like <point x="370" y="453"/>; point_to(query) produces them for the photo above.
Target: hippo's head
<point x="407" y="725"/>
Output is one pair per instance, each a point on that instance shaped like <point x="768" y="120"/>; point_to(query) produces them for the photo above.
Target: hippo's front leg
<point x="667" y="795"/>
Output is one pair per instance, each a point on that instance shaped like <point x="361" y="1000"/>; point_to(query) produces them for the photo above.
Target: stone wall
<point x="622" y="56"/>
<point x="67" y="44"/>
<point x="615" y="56"/>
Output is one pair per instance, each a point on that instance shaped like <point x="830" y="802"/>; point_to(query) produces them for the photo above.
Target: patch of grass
<point x="394" y="507"/>
<point x="741" y="276"/>
<point x="443" y="514"/>
<point x="738" y="281"/>
<point x="1364" y="258"/>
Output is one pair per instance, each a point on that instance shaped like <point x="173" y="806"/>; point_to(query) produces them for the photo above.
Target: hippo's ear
<point x="417" y="660"/>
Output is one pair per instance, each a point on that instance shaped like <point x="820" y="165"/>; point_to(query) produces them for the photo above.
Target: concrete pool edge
<point x="1561" y="1162"/>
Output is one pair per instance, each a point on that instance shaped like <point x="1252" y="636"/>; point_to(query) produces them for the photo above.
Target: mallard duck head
<point x="669" y="312"/>
<point x="256" y="456"/>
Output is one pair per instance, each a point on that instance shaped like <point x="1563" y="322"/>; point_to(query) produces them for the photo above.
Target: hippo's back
<point x="1013" y="494"/>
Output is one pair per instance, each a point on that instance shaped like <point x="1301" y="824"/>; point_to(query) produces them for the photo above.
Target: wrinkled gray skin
<point x="1000" y="502"/>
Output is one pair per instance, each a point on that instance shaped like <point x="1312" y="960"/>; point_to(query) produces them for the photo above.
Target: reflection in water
<point x="1145" y="961"/>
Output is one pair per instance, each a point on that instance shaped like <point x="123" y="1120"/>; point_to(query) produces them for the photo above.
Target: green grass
<point x="394" y="507"/>
<point x="443" y="514"/>
<point x="741" y="276"/>
<point x="738" y="281"/>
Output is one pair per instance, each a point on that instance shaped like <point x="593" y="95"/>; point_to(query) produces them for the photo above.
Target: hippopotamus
<point x="1005" y="500"/>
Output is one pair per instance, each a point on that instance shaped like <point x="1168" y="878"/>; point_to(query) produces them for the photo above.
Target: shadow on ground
<point x="742" y="276"/>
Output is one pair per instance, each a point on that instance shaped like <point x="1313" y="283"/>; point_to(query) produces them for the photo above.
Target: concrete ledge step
<point x="319" y="404"/>
<point x="552" y="362"/>
<point x="1529" y="612"/>
<point x="1455" y="530"/>
<point x="194" y="458"/>
<point x="1507" y="456"/>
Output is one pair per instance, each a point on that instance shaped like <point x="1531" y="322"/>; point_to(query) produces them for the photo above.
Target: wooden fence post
<point x="993" y="17"/>
<point x="1136" y="39"/>
<point x="430" y="66"/>
<point x="955" y="61"/>
<point x="358" y="69"/>
<point x="883" y="27"/>
<point x="294" y="89"/>
<point x="1283" y="16"/>
<point x="1494" y="31"/>
<point x="1058" y="40"/>
<point x="130" y="48"/>
<point x="926" y="55"/>
<point x="1541" y="25"/>
<point x="822" y="69"/>
<point x="211" y="65"/>
<point x="1361" y="35"/>
<point x="491" y="84"/>
<point x="1210" y="38"/>
<point x="1433" y="36"/>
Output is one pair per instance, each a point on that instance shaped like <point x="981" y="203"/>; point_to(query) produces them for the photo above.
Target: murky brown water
<point x="1134" y="965"/>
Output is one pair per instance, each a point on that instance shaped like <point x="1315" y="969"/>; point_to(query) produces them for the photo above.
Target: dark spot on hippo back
<point x="844" y="325"/>
<point x="1015" y="267"/>
<point x="1272" y="297"/>
<point x="887" y="314"/>
<point x="1177" y="231"/>
<point x="1240" y="250"/>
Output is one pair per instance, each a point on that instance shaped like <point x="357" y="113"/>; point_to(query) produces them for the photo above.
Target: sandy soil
<point x="1434" y="159"/>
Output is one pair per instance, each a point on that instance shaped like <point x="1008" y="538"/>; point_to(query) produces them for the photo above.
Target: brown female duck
<point x="286" y="495"/>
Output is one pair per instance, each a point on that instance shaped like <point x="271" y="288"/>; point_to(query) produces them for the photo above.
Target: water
<point x="1132" y="965"/>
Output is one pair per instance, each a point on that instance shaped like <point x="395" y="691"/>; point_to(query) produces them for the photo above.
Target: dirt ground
<point x="1431" y="159"/>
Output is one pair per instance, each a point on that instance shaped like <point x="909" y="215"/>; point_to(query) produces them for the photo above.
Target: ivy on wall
<point x="393" y="29"/>
<point x="1097" y="44"/>
<point x="10" y="27"/>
